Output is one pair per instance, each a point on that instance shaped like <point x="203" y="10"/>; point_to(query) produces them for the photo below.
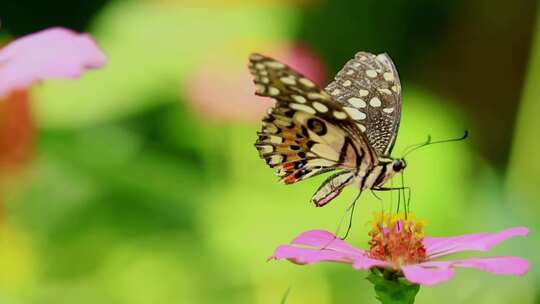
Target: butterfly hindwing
<point x="302" y="145"/>
<point x="371" y="84"/>
<point x="306" y="133"/>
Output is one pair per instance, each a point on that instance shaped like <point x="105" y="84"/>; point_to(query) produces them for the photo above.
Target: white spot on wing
<point x="320" y="107"/>
<point x="282" y="122"/>
<point x="336" y="92"/>
<point x="259" y="88"/>
<point x="288" y="80"/>
<point x="259" y="66"/>
<point x="361" y="127"/>
<point x="270" y="128"/>
<point x="266" y="149"/>
<point x="273" y="91"/>
<point x="274" y="64"/>
<point x="316" y="96"/>
<point x="371" y="73"/>
<point x="382" y="58"/>
<point x="255" y="57"/>
<point x="385" y="91"/>
<point x="306" y="82"/>
<point x="388" y="110"/>
<point x="276" y="139"/>
<point x="364" y="93"/>
<point x="275" y="159"/>
<point x="375" y="102"/>
<point x="357" y="102"/>
<point x="388" y="76"/>
<point x="299" y="98"/>
<point x="355" y="113"/>
<point x="350" y="72"/>
<point x="347" y="83"/>
<point x="339" y="115"/>
<point x="302" y="107"/>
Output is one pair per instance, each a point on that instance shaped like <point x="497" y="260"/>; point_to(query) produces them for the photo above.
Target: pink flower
<point x="401" y="246"/>
<point x="52" y="53"/>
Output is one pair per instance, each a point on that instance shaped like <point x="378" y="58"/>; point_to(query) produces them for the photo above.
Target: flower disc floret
<point x="397" y="239"/>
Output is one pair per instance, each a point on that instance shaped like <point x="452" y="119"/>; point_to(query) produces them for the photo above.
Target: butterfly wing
<point x="370" y="83"/>
<point x="306" y="133"/>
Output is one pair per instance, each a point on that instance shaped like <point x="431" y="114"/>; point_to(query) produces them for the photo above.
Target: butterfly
<point x="349" y="127"/>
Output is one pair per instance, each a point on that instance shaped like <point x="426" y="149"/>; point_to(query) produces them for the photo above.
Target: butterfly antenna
<point x="416" y="146"/>
<point x="351" y="210"/>
<point x="429" y="142"/>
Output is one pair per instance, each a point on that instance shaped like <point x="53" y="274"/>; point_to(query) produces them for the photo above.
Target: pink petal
<point x="323" y="246"/>
<point x="430" y="273"/>
<point x="365" y="262"/>
<point x="326" y="240"/>
<point x="507" y="265"/>
<point x="440" y="246"/>
<point x="309" y="256"/>
<point x="424" y="275"/>
<point x="303" y="256"/>
<point x="52" y="53"/>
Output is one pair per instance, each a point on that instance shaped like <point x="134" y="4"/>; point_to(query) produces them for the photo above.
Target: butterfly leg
<point x="408" y="189"/>
<point x="378" y="198"/>
<point x="350" y="210"/>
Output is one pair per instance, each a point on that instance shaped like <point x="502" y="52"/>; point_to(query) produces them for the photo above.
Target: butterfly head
<point x="398" y="165"/>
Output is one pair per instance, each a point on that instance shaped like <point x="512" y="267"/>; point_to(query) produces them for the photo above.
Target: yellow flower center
<point x="397" y="238"/>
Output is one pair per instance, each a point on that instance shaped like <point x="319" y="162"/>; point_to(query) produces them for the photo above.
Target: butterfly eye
<point x="317" y="126"/>
<point x="398" y="165"/>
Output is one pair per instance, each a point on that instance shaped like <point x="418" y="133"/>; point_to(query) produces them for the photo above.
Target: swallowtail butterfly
<point x="350" y="126"/>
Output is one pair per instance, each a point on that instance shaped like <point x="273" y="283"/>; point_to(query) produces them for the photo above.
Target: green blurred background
<point x="139" y="183"/>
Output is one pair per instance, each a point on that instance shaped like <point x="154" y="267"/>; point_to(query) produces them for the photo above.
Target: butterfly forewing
<point x="370" y="84"/>
<point x="307" y="132"/>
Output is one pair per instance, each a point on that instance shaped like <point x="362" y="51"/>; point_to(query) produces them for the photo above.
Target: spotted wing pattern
<point x="306" y="133"/>
<point x="370" y="83"/>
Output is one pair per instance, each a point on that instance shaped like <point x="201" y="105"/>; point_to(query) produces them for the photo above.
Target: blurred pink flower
<point x="322" y="246"/>
<point x="51" y="53"/>
<point x="223" y="89"/>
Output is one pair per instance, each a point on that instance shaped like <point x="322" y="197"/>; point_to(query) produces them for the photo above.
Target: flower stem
<point x="391" y="287"/>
